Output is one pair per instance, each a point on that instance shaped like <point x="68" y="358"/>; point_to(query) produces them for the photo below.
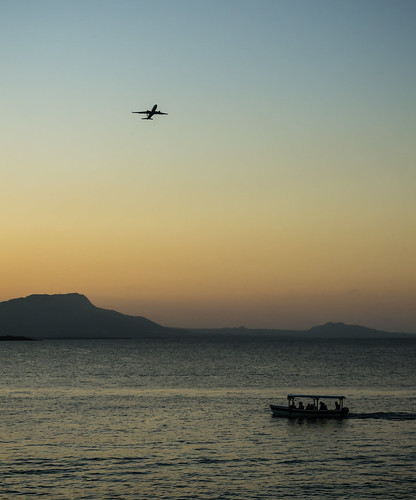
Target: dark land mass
<point x="15" y="338"/>
<point x="74" y="316"/>
<point x="326" y="331"/>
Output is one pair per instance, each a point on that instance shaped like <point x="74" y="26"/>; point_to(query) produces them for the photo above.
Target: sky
<point x="279" y="192"/>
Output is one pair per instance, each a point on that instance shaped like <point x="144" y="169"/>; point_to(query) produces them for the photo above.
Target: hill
<point x="341" y="330"/>
<point x="71" y="316"/>
<point x="325" y="331"/>
<point x="74" y="316"/>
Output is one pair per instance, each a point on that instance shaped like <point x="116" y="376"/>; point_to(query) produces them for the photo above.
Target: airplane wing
<point x="159" y="113"/>
<point x="140" y="112"/>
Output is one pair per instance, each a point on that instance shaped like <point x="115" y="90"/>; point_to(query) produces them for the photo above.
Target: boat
<point x="316" y="407"/>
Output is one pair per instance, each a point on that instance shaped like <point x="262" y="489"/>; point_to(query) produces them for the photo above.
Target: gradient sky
<point x="279" y="192"/>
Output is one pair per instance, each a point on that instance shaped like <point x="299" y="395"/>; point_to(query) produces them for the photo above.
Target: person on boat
<point x="337" y="407"/>
<point x="322" y="406"/>
<point x="301" y="407"/>
<point x="292" y="405"/>
<point x="309" y="406"/>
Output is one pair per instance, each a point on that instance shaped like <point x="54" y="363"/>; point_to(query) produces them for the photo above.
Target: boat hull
<point x="284" y="411"/>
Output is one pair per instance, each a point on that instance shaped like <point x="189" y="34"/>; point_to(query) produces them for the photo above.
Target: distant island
<point x="15" y="338"/>
<point x="74" y="316"/>
<point x="328" y="330"/>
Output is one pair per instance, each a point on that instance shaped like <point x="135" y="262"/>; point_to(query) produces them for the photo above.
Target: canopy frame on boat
<point x="315" y="398"/>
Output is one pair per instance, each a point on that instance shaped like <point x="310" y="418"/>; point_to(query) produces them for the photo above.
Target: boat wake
<point x="399" y="415"/>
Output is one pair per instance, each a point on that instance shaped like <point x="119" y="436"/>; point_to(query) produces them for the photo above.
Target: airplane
<point x="150" y="113"/>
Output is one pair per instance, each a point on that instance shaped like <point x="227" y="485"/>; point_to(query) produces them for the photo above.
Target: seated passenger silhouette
<point x="301" y="407"/>
<point x="322" y="406"/>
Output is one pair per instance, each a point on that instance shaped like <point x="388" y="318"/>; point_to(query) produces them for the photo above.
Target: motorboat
<point x="317" y="407"/>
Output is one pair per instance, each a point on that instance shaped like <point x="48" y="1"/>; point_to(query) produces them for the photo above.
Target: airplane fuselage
<point x="149" y="113"/>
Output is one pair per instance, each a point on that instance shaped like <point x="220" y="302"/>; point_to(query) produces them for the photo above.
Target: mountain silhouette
<point x="74" y="316"/>
<point x="71" y="316"/>
<point x="342" y="330"/>
<point x="325" y="331"/>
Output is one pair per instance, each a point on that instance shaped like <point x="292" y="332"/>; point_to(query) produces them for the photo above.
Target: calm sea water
<point x="190" y="418"/>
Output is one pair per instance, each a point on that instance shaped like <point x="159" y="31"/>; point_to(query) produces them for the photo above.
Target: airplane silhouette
<point x="150" y="113"/>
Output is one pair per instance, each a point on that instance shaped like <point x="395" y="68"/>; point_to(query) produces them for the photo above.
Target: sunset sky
<point x="279" y="192"/>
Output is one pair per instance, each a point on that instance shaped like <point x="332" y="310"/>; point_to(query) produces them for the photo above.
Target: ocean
<point x="186" y="418"/>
